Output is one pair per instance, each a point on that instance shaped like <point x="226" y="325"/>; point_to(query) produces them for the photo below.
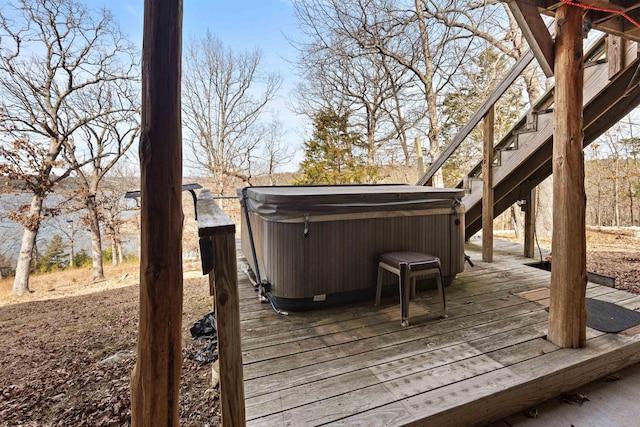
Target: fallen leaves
<point x="572" y="398"/>
<point x="69" y="361"/>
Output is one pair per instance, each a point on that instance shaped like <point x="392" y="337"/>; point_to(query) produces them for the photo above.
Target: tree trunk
<point x="114" y="252"/>
<point x="96" y="239"/>
<point x="71" y="265"/>
<point x="433" y="132"/>
<point x="119" y="248"/>
<point x="23" y="267"/>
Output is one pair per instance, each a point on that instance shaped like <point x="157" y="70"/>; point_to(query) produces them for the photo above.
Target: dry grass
<point x="78" y="281"/>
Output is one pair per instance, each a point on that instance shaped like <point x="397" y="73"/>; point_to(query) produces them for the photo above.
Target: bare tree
<point x="428" y="40"/>
<point x="275" y="152"/>
<point x="343" y="74"/>
<point x="224" y="96"/>
<point x="52" y="53"/>
<point x="99" y="145"/>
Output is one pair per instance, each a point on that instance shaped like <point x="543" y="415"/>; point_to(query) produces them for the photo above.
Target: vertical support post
<point x="155" y="380"/>
<point x="420" y="157"/>
<point x="530" y="223"/>
<point x="615" y="54"/>
<point x="487" y="186"/>
<point x="227" y="308"/>
<point x="567" y="310"/>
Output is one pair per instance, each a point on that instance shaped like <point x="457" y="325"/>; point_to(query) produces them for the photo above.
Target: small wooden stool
<point x="407" y="266"/>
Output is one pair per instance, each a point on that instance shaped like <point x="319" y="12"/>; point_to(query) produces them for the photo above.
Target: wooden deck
<point x="357" y="366"/>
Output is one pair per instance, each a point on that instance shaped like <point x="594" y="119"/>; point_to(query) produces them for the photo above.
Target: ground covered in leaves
<point x="67" y="361"/>
<point x="616" y="253"/>
<point x="613" y="252"/>
<point x="67" y="350"/>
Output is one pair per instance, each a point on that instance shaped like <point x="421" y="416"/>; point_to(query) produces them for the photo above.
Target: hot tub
<point x="319" y="245"/>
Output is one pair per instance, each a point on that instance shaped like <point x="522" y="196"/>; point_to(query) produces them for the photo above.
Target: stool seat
<point x="416" y="260"/>
<point x="407" y="266"/>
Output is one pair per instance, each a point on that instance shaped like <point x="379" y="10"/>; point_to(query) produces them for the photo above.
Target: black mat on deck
<point x="608" y="317"/>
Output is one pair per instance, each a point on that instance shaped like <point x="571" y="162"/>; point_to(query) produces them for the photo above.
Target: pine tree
<point x="55" y="256"/>
<point x="331" y="155"/>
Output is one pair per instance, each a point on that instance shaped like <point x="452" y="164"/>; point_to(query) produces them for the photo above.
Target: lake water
<point x="66" y="225"/>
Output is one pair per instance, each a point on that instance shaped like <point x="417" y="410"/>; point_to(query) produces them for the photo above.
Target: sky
<point x="240" y="25"/>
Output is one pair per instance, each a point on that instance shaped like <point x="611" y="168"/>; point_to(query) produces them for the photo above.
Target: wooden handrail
<point x="217" y="242"/>
<point x="502" y="87"/>
<point x="594" y="50"/>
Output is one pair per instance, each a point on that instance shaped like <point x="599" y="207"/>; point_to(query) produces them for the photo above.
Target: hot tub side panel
<point x="280" y="255"/>
<point x="340" y="257"/>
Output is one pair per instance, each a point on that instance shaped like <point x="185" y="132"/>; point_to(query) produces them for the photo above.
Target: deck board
<point x="356" y="365"/>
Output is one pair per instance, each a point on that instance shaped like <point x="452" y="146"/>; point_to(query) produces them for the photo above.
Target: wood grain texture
<point x="155" y="381"/>
<point x="488" y="153"/>
<point x="530" y="223"/>
<point x="567" y="311"/>
<point x="605" y="105"/>
<point x="356" y="365"/>
<point x="535" y="31"/>
<point x="225" y="278"/>
<point x="615" y="54"/>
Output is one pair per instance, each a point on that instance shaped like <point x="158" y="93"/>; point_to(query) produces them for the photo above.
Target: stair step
<point x="530" y="124"/>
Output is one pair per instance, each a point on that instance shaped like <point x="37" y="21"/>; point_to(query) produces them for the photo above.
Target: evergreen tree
<point x="55" y="256"/>
<point x="331" y="155"/>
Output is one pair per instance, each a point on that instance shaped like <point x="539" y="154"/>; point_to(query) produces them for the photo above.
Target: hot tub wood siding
<point x="341" y="255"/>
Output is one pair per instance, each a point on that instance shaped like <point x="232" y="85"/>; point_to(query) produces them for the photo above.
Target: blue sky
<point x="241" y="25"/>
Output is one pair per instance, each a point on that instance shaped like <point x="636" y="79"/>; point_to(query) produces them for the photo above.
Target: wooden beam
<point x="218" y="242"/>
<point x="155" y="381"/>
<point x="487" y="186"/>
<point x="535" y="31"/>
<point x="567" y="311"/>
<point x="615" y="55"/>
<point x="530" y="223"/>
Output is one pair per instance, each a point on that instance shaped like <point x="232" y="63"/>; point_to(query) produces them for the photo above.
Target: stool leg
<point x="441" y="291"/>
<point x="413" y="288"/>
<point x="379" y="286"/>
<point x="404" y="293"/>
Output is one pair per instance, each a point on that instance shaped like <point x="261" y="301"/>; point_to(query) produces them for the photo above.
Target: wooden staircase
<point x="522" y="158"/>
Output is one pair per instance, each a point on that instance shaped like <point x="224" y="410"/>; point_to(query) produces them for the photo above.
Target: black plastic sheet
<point x="205" y="329"/>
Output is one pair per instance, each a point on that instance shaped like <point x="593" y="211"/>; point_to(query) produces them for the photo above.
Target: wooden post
<point x="156" y="377"/>
<point x="420" y="158"/>
<point x="615" y="54"/>
<point x="487" y="187"/>
<point x="567" y="311"/>
<point x="530" y="224"/>
<point x="218" y="254"/>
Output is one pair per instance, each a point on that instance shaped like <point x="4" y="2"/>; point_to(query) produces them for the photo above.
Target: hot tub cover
<point x="284" y="202"/>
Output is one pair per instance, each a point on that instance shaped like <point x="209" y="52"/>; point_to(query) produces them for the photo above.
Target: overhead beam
<point x="567" y="308"/>
<point x="536" y="32"/>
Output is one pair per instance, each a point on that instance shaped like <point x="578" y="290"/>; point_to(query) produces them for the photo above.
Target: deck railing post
<point x="218" y="252"/>
<point x="530" y="223"/>
<point x="487" y="187"/>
